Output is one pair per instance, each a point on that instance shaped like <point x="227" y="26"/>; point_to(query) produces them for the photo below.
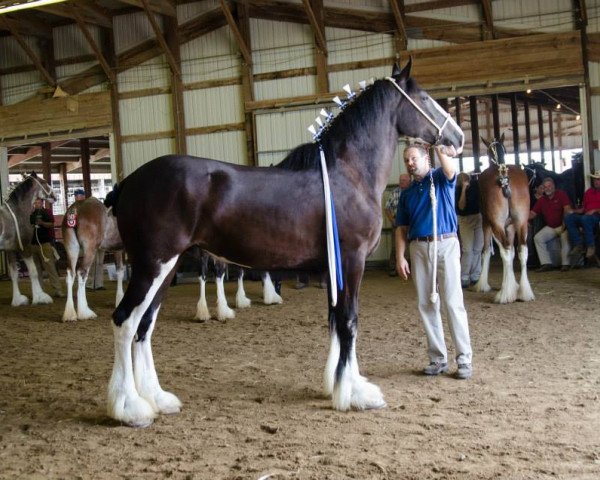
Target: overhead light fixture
<point x="578" y="117"/>
<point x="528" y="91"/>
<point x="14" y="5"/>
<point x="558" y="106"/>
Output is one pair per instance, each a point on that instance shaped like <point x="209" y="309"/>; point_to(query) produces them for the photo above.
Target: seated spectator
<point x="552" y="207"/>
<point x="586" y="217"/>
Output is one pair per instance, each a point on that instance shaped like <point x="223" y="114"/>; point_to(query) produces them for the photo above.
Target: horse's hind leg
<point x="18" y="298"/>
<point x="202" y="313"/>
<point x="270" y="295"/>
<point x="146" y="379"/>
<point x="38" y="296"/>
<point x="223" y="310"/>
<point x="525" y="292"/>
<point x="241" y="300"/>
<point x="483" y="284"/>
<point x="350" y="389"/>
<point x="72" y="248"/>
<point x="84" y="312"/>
<point x="124" y="402"/>
<point x="508" y="291"/>
<point x="120" y="268"/>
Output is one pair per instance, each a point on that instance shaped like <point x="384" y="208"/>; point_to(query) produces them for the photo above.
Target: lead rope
<point x="433" y="298"/>
<point x="46" y="260"/>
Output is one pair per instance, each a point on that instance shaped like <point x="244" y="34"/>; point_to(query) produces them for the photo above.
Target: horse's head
<point x="496" y="150"/>
<point x="420" y="116"/>
<point x="42" y="189"/>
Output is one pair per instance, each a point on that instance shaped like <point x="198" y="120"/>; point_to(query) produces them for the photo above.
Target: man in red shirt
<point x="586" y="217"/>
<point x="553" y="205"/>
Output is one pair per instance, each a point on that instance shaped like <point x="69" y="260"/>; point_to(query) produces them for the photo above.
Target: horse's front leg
<point x="350" y="389"/>
<point x="202" y="313"/>
<point x="18" y="298"/>
<point x="72" y="248"/>
<point x="84" y="312"/>
<point x="223" y="310"/>
<point x="120" y="269"/>
<point x="124" y="401"/>
<point x="525" y="292"/>
<point x="483" y="284"/>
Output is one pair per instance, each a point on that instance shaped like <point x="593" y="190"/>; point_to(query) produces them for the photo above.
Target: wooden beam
<point x="475" y="132"/>
<point x="85" y="166"/>
<point x="527" y="130"/>
<point x="515" y="125"/>
<point x="29" y="26"/>
<point x="28" y="51"/>
<point x="90" y="12"/>
<point x="236" y="32"/>
<point x="398" y="10"/>
<point x="46" y="160"/>
<point x="172" y="42"/>
<point x="247" y="79"/>
<point x="32" y="152"/>
<point x="90" y="39"/>
<point x="540" y="117"/>
<point x="437" y="4"/>
<point x="488" y="18"/>
<point x="496" y="117"/>
<point x="551" y="132"/>
<point x="175" y="68"/>
<point x="64" y="182"/>
<point x="316" y="23"/>
<point x="322" y="70"/>
<point x="164" y="7"/>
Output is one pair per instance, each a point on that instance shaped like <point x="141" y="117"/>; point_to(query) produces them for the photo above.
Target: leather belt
<point x="430" y="238"/>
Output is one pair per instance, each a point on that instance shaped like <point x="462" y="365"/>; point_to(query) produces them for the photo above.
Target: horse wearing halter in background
<point x="504" y="196"/>
<point x="88" y="226"/>
<point x="268" y="219"/>
<point x="16" y="233"/>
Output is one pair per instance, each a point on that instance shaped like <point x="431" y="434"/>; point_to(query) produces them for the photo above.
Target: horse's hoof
<point x="376" y="405"/>
<point x="69" y="319"/>
<point x="20" y="301"/>
<point x="139" y="423"/>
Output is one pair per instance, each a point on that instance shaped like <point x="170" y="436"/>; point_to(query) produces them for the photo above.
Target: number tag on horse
<point x="72" y="219"/>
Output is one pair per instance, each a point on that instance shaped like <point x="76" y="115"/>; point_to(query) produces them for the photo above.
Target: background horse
<point x="17" y="232"/>
<point x="504" y="197"/>
<point x="270" y="296"/>
<point x="571" y="180"/>
<point x="88" y="226"/>
<point x="268" y="219"/>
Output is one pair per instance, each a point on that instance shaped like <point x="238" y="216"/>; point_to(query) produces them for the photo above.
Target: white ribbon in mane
<point x="329" y="229"/>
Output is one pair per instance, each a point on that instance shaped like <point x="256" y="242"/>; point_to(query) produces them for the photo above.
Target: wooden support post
<point x="527" y="130"/>
<point x="475" y="132"/>
<point x="515" y="127"/>
<point x="551" y="132"/>
<point x="85" y="166"/>
<point x="316" y="7"/>
<point x="243" y="15"/>
<point x="64" y="182"/>
<point x="46" y="162"/>
<point x="457" y="115"/>
<point x="540" y="115"/>
<point x="496" y="117"/>
<point x="172" y="40"/>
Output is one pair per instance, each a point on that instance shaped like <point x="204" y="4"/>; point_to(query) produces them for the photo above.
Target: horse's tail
<point x="112" y="198"/>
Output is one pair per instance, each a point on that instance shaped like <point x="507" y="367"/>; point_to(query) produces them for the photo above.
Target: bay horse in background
<point x="504" y="198"/>
<point x="224" y="312"/>
<point x="268" y="219"/>
<point x="16" y="233"/>
<point x="88" y="226"/>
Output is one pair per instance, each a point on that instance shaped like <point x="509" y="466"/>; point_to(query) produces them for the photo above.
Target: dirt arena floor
<point x="251" y="389"/>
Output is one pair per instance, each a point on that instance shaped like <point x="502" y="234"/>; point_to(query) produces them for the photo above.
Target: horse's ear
<point x="395" y="70"/>
<point x="33" y="174"/>
<point x="404" y="74"/>
<point x="487" y="145"/>
<point x="502" y="138"/>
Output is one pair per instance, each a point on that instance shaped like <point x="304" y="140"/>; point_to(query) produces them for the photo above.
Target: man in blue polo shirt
<point x="415" y="225"/>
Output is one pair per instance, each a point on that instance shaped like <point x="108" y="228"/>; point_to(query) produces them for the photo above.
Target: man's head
<point x="549" y="187"/>
<point x="79" y="194"/>
<point x="37" y="204"/>
<point x="416" y="159"/>
<point x="404" y="181"/>
<point x="596" y="179"/>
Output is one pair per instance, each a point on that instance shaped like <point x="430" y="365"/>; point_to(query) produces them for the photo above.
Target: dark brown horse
<point x="268" y="219"/>
<point x="88" y="226"/>
<point x="504" y="195"/>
